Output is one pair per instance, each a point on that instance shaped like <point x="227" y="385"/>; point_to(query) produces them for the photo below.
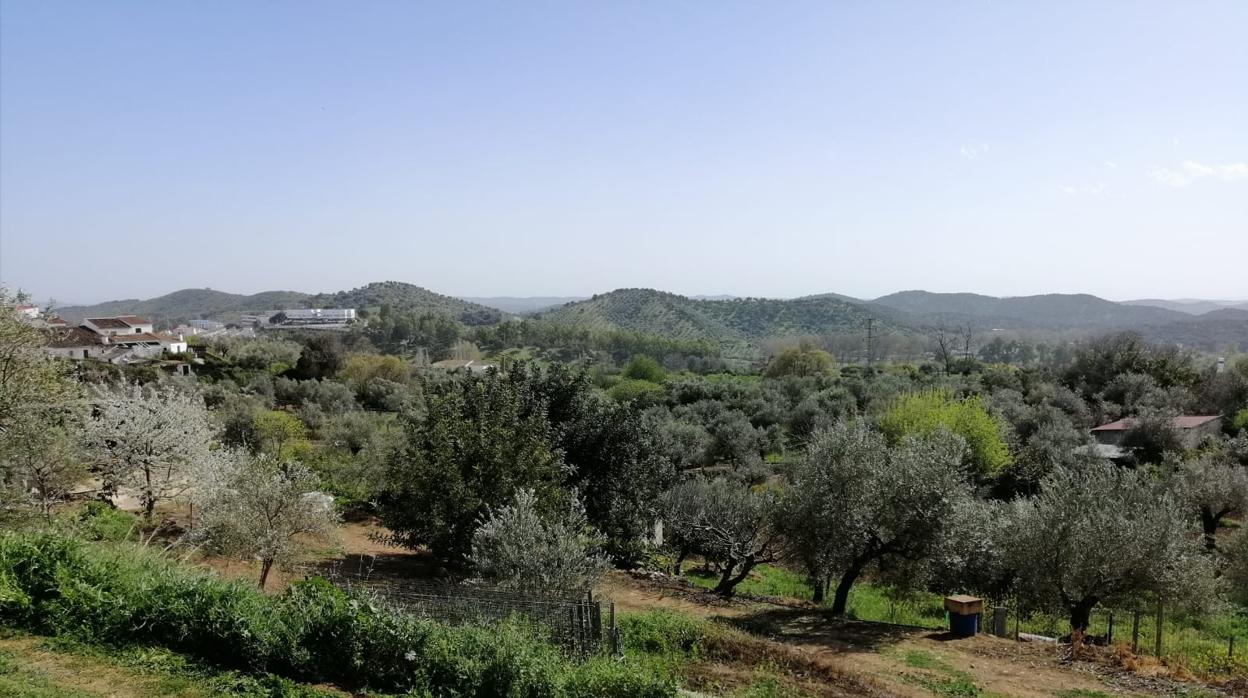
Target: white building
<point x="125" y="339"/>
<point x="124" y="324"/>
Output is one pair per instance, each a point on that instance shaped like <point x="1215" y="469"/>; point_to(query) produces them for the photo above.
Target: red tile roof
<point x="133" y="320"/>
<point x="1182" y="422"/>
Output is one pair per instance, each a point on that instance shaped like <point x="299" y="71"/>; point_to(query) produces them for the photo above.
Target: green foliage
<point x="276" y="432"/>
<point x="644" y="368"/>
<point x="321" y="357"/>
<point x="664" y="633"/>
<point x="313" y="632"/>
<point x="639" y="391"/>
<point x="479" y="442"/>
<point x="100" y="521"/>
<point x="922" y="414"/>
<point x="1240" y="421"/>
<point x="800" y="361"/>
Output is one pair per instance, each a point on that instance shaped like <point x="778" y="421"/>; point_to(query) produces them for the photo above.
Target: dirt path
<point x="898" y="660"/>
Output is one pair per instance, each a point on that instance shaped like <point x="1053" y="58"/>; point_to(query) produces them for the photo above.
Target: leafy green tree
<point x="644" y="368"/>
<point x="800" y="361"/>
<point x="855" y="501"/>
<point x="616" y="456"/>
<point x="638" y="391"/>
<point x="275" y="431"/>
<point x="922" y="414"/>
<point x="322" y="357"/>
<point x="477" y="443"/>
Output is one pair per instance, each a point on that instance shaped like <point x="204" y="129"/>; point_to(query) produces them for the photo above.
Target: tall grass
<point x="313" y="632"/>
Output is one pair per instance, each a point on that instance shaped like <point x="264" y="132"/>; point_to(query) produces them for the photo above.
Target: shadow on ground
<point x="815" y="627"/>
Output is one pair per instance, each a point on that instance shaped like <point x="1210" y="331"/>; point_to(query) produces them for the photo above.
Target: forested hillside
<point x="406" y="297"/>
<point x="189" y="303"/>
<point x="748" y="320"/>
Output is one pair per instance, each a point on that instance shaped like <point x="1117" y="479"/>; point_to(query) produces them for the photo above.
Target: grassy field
<point x="1198" y="642"/>
<point x="35" y="667"/>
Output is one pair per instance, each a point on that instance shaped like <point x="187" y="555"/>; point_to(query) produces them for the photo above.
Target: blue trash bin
<point x="963" y="625"/>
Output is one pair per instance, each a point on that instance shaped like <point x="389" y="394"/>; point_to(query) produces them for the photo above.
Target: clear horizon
<point x="566" y="150"/>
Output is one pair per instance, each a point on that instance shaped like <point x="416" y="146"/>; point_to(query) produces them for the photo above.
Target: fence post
<point x="1161" y="618"/>
<point x="999" y="620"/>
<point x="615" y="634"/>
<point x="1135" y="631"/>
<point x="1109" y="638"/>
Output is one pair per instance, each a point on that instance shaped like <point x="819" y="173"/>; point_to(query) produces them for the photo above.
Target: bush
<point x="313" y="632"/>
<point x="101" y="522"/>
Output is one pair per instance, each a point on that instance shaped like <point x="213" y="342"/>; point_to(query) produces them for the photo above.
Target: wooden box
<point x="964" y="605"/>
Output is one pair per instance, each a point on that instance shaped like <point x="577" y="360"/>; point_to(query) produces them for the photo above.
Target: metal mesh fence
<point x="574" y="622"/>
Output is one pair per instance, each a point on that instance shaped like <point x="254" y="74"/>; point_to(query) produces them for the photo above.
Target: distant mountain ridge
<point x="1055" y="310"/>
<point x="1192" y="306"/>
<point x="730" y="322"/>
<point x="521" y="304"/>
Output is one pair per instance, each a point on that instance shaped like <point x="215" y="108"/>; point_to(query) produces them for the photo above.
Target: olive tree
<point x="1211" y="488"/>
<point x="42" y="462"/>
<point x="727" y="522"/>
<point x="259" y="507"/>
<point x="855" y="501"/>
<point x="146" y="439"/>
<point x="1103" y="534"/>
<point x="516" y="547"/>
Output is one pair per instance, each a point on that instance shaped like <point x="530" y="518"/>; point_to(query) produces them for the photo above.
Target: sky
<point x="567" y="148"/>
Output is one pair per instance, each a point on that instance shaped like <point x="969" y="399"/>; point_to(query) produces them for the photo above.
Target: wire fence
<point x="578" y="623"/>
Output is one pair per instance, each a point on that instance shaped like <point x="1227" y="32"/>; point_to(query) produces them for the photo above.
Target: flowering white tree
<point x="516" y="547"/>
<point x="146" y="439"/>
<point x="259" y="507"/>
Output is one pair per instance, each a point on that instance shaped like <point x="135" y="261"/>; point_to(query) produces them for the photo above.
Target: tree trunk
<point x="729" y="582"/>
<point x="1081" y="612"/>
<point x="842" y="587"/>
<point x="1210" y="521"/>
<point x="265" y="566"/>
<point x="680" y="560"/>
<point x="817" y="587"/>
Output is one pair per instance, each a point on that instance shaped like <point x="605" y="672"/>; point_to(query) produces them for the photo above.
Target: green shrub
<point x="663" y="633"/>
<point x="101" y="522"/>
<point x="313" y="632"/>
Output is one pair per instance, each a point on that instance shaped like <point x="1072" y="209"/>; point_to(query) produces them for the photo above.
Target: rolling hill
<point x="405" y="296"/>
<point x="193" y="303"/>
<point x="748" y="320"/>
<point x="187" y="304"/>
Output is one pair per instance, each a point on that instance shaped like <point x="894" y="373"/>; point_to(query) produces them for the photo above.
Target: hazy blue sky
<point x="525" y="148"/>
